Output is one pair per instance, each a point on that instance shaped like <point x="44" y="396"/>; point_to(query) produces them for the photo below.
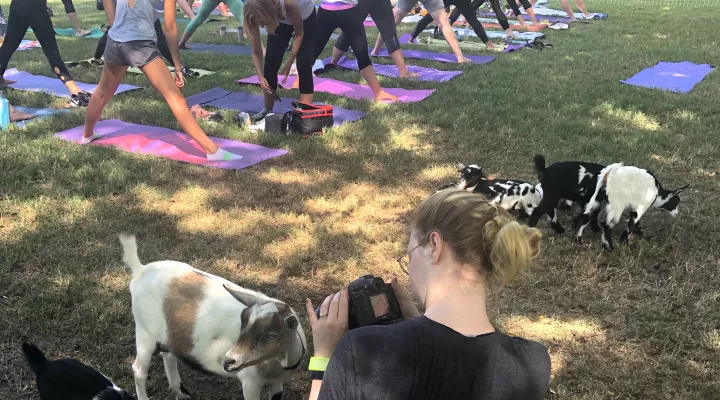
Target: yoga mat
<point x="232" y="49"/>
<point x="676" y="77"/>
<point x="252" y="103"/>
<point x="163" y="142"/>
<point x="95" y="32"/>
<point x="495" y="34"/>
<point x="470" y="45"/>
<point x="39" y="114"/>
<point x="29" y="44"/>
<point x="37" y="83"/>
<point x="202" y="72"/>
<point x="431" y="55"/>
<point x="559" y="13"/>
<point x="493" y="23"/>
<point x="539" y="17"/>
<point x="426" y="74"/>
<point x="352" y="90"/>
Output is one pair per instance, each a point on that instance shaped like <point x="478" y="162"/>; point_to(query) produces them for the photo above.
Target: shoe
<point x="82" y="99"/>
<point x="187" y="71"/>
<point x="97" y="62"/>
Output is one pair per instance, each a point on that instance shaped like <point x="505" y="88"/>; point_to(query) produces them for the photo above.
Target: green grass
<point x="642" y="322"/>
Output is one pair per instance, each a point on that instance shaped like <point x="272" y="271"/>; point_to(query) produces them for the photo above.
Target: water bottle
<point x="466" y="32"/>
<point x="4" y="111"/>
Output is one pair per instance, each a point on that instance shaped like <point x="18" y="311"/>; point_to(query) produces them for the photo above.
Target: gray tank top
<point x="306" y="8"/>
<point x="136" y="21"/>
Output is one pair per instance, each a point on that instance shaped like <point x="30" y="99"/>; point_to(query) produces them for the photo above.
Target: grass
<point x="641" y="323"/>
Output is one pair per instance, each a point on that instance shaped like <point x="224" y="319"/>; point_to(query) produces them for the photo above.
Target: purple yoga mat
<point x="675" y="77"/>
<point x="352" y="90"/>
<point x="431" y="55"/>
<point x="426" y="74"/>
<point x="163" y="142"/>
<point x="252" y="103"/>
<point x="36" y="83"/>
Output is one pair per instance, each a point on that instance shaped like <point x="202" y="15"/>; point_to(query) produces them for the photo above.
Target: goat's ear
<point x="246" y="298"/>
<point x="680" y="190"/>
<point x="291" y="322"/>
<point x="460" y="167"/>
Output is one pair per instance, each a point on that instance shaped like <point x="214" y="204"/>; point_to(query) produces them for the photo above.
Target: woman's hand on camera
<point x="407" y="305"/>
<point x="332" y="324"/>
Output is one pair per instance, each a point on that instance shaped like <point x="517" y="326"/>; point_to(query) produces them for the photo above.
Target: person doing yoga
<point x="437" y="10"/>
<point x="236" y="6"/>
<point x="72" y="16"/>
<point x="381" y="13"/>
<point x="565" y="4"/>
<point x="24" y="14"/>
<point x="282" y="18"/>
<point x="465" y="8"/>
<point x="132" y="43"/>
<point x="349" y="17"/>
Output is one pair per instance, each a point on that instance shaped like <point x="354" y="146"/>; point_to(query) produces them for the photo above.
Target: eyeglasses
<point x="404" y="261"/>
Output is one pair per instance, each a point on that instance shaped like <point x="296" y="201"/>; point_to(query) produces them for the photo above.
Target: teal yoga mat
<point x="95" y="32"/>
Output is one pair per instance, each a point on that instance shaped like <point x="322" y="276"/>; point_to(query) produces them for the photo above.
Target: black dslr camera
<point x="371" y="302"/>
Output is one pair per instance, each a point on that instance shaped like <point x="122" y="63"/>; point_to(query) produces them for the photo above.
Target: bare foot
<point x="410" y="75"/>
<point x="464" y="60"/>
<point x="82" y="33"/>
<point x="385" y="96"/>
<point x="183" y="46"/>
<point x="16" y="115"/>
<point x="490" y="46"/>
<point x="5" y="82"/>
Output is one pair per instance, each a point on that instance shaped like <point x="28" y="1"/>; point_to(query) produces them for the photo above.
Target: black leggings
<point x="277" y="45"/>
<point x="499" y="14"/>
<point x="350" y="21"/>
<point x="161" y="43"/>
<point x="516" y="10"/>
<point x="23" y="15"/>
<point x="463" y="7"/>
<point x="69" y="7"/>
<point x="382" y="14"/>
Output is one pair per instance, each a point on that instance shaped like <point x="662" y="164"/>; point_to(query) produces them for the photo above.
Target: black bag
<point x="99" y="5"/>
<point x="305" y="118"/>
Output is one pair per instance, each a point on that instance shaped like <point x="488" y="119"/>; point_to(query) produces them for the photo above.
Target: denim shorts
<point x="137" y="53"/>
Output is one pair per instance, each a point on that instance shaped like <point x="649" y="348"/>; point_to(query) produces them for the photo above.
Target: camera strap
<point x="297" y="364"/>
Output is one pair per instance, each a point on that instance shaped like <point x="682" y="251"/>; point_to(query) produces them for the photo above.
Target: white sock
<point x="95" y="135"/>
<point x="223" y="155"/>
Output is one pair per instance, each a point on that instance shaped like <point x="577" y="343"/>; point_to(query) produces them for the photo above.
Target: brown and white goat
<point x="212" y="325"/>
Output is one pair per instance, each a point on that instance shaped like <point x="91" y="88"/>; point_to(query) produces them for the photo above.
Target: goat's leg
<point x="583" y="220"/>
<point x="171" y="370"/>
<point x="252" y="390"/>
<point x="145" y="350"/>
<point x="276" y="391"/>
<point x="545" y="206"/>
<point x="595" y="223"/>
<point x="607" y="226"/>
<point x="554" y="222"/>
<point x="629" y="229"/>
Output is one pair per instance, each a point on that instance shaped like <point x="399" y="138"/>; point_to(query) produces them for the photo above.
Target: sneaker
<point x="81" y="99"/>
<point x="187" y="71"/>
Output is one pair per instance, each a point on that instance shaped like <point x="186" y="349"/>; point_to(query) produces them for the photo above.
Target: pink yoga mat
<point x="163" y="142"/>
<point x="351" y="90"/>
<point x="37" y="83"/>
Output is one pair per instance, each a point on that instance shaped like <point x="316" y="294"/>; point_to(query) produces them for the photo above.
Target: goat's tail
<point x="34" y="357"/>
<point x="130" y="255"/>
<point x="602" y="180"/>
<point x="540" y="166"/>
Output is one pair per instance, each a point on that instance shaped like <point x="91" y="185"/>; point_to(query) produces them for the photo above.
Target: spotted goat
<point x="636" y="189"/>
<point x="212" y="325"/>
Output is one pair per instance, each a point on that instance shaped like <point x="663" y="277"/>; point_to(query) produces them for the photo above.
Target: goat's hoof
<point x="577" y="240"/>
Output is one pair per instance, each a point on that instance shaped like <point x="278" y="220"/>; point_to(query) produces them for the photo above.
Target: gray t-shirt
<point x="136" y="22"/>
<point x="306" y="8"/>
<point x="420" y="359"/>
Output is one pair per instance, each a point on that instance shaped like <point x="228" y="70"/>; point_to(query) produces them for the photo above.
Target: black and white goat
<point x="573" y="181"/>
<point x="628" y="187"/>
<point x="69" y="379"/>
<point x="505" y="193"/>
<point x="212" y="325"/>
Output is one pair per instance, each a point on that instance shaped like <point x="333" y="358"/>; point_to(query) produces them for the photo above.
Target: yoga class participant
<point x="23" y="15"/>
<point x="72" y="16"/>
<point x="565" y="4"/>
<point x="236" y="6"/>
<point x="132" y="43"/>
<point x="465" y="8"/>
<point x="283" y="19"/>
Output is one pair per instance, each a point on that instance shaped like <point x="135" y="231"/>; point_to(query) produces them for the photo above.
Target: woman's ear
<point x="437" y="246"/>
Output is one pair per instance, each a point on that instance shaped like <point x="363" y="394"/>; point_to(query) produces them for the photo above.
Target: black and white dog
<point x="69" y="379"/>
<point x="505" y="193"/>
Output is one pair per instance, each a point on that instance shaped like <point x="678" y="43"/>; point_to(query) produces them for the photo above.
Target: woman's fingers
<point x="311" y="312"/>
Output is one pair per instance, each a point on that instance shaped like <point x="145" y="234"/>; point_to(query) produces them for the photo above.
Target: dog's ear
<point x="460" y="167"/>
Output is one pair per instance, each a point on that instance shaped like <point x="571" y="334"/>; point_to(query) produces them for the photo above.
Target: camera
<point x="371" y="302"/>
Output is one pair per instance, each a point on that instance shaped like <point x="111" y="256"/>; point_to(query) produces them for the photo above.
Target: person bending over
<point x="282" y="18"/>
<point x="381" y="13"/>
<point x="461" y="247"/>
<point x="346" y="15"/>
<point x="132" y="43"/>
<point x="437" y="10"/>
<point x="236" y="6"/>
<point x="24" y="14"/>
<point x="465" y="8"/>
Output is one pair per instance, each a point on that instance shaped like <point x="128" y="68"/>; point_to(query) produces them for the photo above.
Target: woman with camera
<point x="461" y="248"/>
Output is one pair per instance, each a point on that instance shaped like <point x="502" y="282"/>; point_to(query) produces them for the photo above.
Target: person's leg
<point x="110" y="79"/>
<point x="351" y="23"/>
<point x="16" y="29"/>
<point x="162" y="42"/>
<point x="398" y="14"/>
<point x="423" y="23"/>
<point x="502" y="18"/>
<point x="381" y="12"/>
<point x="441" y="20"/>
<point x="565" y="4"/>
<point x="470" y="16"/>
<point x="529" y="10"/>
<point x="274" y="52"/>
<point x="516" y="11"/>
<point x="72" y="16"/>
<point x="581" y="6"/>
<point x="327" y="22"/>
<point x="236" y="7"/>
<point x="43" y="29"/>
<point x="306" y="58"/>
<point x="205" y="9"/>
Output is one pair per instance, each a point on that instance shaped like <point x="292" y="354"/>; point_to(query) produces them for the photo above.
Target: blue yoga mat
<point x="38" y="112"/>
<point x="676" y="77"/>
